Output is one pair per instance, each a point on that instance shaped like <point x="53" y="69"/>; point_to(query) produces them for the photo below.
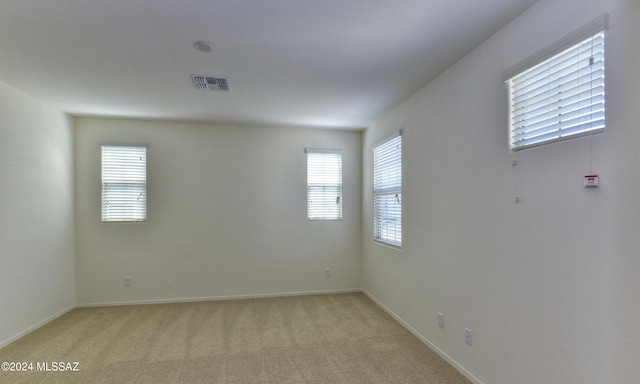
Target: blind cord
<point x="515" y="164"/>
<point x="591" y="63"/>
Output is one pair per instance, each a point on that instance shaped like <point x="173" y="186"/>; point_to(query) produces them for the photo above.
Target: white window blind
<point x="124" y="183"/>
<point x="324" y="184"/>
<point x="561" y="96"/>
<point x="387" y="192"/>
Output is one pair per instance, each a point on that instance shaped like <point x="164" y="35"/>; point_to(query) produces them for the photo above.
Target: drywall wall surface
<point x="550" y="285"/>
<point x="226" y="214"/>
<point x="37" y="278"/>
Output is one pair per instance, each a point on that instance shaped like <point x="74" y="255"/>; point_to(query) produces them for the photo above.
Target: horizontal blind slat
<point x="387" y="183"/>
<point x="530" y="94"/>
<point x="589" y="47"/>
<point x="561" y="97"/>
<point x="124" y="178"/>
<point x="575" y="131"/>
<point x="562" y="128"/>
<point x="560" y="108"/>
<point x="324" y="184"/>
<point x="596" y="110"/>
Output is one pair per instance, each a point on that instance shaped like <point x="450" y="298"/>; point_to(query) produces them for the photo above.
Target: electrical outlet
<point x="440" y="320"/>
<point x="327" y="272"/>
<point x="467" y="336"/>
<point x="127" y="281"/>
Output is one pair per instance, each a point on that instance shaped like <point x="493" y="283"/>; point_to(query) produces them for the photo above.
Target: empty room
<point x="320" y="191"/>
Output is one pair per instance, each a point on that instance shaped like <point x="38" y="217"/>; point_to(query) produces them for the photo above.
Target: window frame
<point x="387" y="188"/>
<point x="324" y="186"/>
<point x="585" y="120"/>
<point x="129" y="179"/>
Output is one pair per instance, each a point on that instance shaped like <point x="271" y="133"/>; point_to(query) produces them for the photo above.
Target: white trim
<point x="385" y="244"/>
<point x="600" y="23"/>
<point x="386" y="138"/>
<point x="426" y="341"/>
<point x="557" y="140"/>
<point x="15" y="337"/>
<point x="323" y="150"/>
<point x="119" y="144"/>
<point x="217" y="298"/>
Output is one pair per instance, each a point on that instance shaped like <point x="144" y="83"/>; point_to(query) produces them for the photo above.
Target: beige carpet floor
<point x="341" y="338"/>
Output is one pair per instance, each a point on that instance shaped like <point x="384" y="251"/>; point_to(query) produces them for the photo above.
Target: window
<point x="387" y="192"/>
<point x="559" y="93"/>
<point x="324" y="184"/>
<point x="124" y="183"/>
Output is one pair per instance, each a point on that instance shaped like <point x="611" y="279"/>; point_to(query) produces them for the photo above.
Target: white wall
<point x="226" y="214"/>
<point x="549" y="286"/>
<point x="37" y="280"/>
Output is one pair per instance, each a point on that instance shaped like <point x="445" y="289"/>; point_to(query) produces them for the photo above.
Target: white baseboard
<point x="437" y="350"/>
<point x="34" y="327"/>
<point x="216" y="298"/>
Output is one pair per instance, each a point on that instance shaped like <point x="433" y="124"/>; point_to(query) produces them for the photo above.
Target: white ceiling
<point x="318" y="63"/>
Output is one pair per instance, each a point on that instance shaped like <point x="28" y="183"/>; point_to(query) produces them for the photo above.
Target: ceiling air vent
<point x="207" y="83"/>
